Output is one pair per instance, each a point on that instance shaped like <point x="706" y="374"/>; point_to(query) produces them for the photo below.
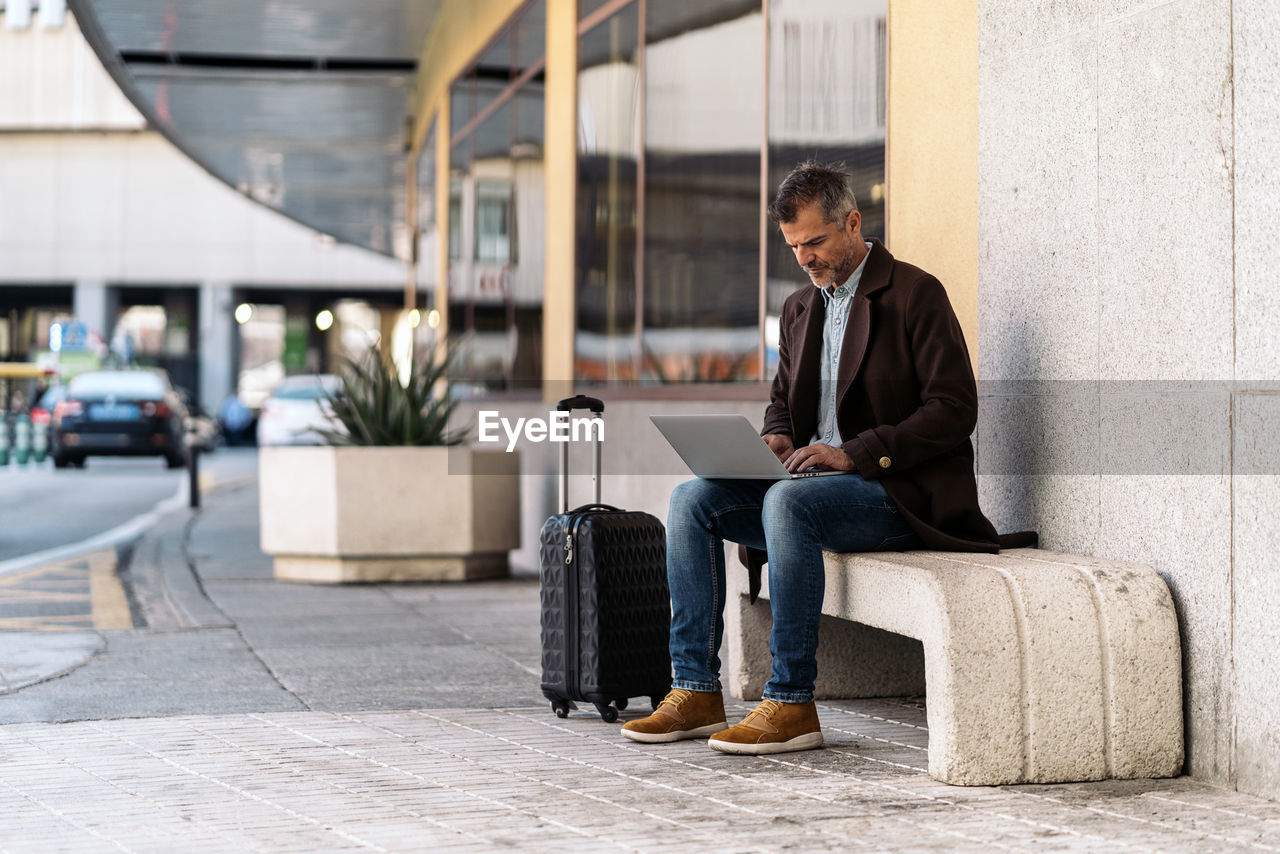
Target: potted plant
<point x="395" y="495"/>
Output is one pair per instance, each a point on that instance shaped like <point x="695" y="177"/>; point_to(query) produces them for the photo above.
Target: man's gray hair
<point x="826" y="184"/>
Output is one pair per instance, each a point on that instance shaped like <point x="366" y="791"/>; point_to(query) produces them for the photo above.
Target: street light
<point x="324" y="320"/>
<point x="244" y="311"/>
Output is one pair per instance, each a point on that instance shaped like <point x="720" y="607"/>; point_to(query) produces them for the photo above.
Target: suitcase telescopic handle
<point x="569" y="404"/>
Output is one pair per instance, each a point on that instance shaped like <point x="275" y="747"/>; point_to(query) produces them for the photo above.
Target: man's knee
<point x="688" y="502"/>
<point x="787" y="502"/>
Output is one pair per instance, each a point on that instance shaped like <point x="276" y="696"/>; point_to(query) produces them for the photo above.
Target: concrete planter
<point x="353" y="514"/>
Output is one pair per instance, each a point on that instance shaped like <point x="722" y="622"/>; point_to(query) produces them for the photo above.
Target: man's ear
<point x="853" y="221"/>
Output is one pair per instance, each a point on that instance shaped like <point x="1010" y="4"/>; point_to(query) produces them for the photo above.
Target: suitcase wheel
<point x="608" y="713"/>
<point x="621" y="703"/>
<point x="561" y="708"/>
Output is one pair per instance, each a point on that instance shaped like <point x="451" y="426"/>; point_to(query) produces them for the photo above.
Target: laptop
<point x="724" y="446"/>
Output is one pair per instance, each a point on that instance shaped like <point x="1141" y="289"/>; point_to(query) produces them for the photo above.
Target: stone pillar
<point x="97" y="306"/>
<point x="217" y="356"/>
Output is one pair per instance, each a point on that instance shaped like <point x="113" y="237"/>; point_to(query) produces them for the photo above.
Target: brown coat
<point x="906" y="398"/>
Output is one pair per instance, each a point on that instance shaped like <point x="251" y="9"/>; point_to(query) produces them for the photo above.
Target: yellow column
<point x="460" y="31"/>
<point x="560" y="153"/>
<point x="931" y="147"/>
<point x="444" y="129"/>
<point x="411" y="227"/>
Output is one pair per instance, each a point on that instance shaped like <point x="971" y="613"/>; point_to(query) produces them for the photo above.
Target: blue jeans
<point x="795" y="520"/>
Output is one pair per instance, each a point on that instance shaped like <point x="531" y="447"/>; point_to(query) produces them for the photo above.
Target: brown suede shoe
<point x="682" y="714"/>
<point x="772" y="727"/>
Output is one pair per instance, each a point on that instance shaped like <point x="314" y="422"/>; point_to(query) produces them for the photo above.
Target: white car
<point x="297" y="410"/>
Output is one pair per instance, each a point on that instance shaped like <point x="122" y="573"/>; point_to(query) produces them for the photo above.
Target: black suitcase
<point x="606" y="612"/>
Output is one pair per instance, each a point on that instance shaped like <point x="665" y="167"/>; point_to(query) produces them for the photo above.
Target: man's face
<point x="828" y="251"/>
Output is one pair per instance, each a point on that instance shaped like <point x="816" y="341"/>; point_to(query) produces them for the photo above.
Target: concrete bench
<point x="1036" y="667"/>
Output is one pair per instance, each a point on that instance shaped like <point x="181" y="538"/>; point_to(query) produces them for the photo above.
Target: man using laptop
<point x="873" y="380"/>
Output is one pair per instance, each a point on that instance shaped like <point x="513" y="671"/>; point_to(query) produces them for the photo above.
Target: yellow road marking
<point x="56" y="623"/>
<point x="110" y="605"/>
<point x="48" y="569"/>
<point x="42" y="596"/>
<point x="52" y="583"/>
<point x="89" y="578"/>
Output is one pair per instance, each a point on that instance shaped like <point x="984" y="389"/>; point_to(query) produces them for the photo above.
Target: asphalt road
<point x="44" y="508"/>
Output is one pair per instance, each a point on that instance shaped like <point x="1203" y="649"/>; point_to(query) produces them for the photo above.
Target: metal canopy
<point x="299" y="104"/>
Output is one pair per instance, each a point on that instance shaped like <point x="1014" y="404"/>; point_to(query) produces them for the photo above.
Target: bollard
<point x="21" y="439"/>
<point x="39" y="441"/>
<point x="193" y="470"/>
<point x="4" y="439"/>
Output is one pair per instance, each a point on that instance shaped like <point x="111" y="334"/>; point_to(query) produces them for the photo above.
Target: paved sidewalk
<point x="241" y="714"/>
<point x="520" y="779"/>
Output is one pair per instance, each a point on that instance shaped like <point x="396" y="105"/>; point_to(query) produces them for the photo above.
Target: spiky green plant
<point x="375" y="408"/>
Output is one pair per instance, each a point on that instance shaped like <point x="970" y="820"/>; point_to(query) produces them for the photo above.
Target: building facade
<point x="103" y="220"/>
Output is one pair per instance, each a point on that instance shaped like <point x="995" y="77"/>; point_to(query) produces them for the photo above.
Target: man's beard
<point x="840" y="271"/>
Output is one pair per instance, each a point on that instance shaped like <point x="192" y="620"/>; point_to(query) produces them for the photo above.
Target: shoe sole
<point x="674" y="735"/>
<point x="808" y="741"/>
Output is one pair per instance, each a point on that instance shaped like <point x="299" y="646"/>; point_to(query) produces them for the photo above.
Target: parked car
<point x="128" y="412"/>
<point x="297" y="410"/>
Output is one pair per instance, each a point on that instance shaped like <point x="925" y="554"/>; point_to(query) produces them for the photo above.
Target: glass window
<point x="308" y="387"/>
<point x="704" y="123"/>
<point x="455" y="220"/>
<point x="607" y="217"/>
<point x="262" y="350"/>
<point x="494" y="221"/>
<point x="426" y="175"/>
<point x="826" y="101"/>
<point x="141" y="330"/>
<point x="495" y="209"/>
<point x="672" y="141"/>
<point x="141" y="384"/>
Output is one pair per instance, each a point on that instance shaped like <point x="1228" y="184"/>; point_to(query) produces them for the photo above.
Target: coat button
<point x="885" y="462"/>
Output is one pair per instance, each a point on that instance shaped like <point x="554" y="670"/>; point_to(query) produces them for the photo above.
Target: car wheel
<point x="78" y="462"/>
<point x="60" y="461"/>
<point x="175" y="462"/>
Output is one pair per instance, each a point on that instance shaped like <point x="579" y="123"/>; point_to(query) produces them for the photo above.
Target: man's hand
<point x="780" y="444"/>
<point x="820" y="456"/>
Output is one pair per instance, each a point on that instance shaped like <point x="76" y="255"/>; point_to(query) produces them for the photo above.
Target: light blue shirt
<point x="837" y="302"/>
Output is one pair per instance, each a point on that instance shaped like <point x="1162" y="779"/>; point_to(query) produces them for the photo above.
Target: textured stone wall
<point x="1128" y="308"/>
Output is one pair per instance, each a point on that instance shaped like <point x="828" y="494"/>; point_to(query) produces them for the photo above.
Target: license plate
<point x="113" y="412"/>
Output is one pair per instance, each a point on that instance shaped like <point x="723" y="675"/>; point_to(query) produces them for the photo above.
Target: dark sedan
<point x="132" y="413"/>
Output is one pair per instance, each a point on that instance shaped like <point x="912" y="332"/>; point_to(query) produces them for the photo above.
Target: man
<point x="874" y="379"/>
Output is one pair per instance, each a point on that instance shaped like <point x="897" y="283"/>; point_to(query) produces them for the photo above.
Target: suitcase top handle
<point x="593" y="508"/>
<point x="580" y="401"/>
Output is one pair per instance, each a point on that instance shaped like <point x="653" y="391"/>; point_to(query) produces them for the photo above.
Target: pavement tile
<point x="408" y="718"/>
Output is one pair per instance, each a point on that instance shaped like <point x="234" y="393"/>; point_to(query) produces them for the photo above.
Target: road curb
<point x="164" y="586"/>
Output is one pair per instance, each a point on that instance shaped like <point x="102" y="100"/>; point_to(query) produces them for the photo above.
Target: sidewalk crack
<point x="199" y="582"/>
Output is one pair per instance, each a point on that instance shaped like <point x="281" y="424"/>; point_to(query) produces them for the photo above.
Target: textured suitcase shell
<point x="606" y="613"/>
